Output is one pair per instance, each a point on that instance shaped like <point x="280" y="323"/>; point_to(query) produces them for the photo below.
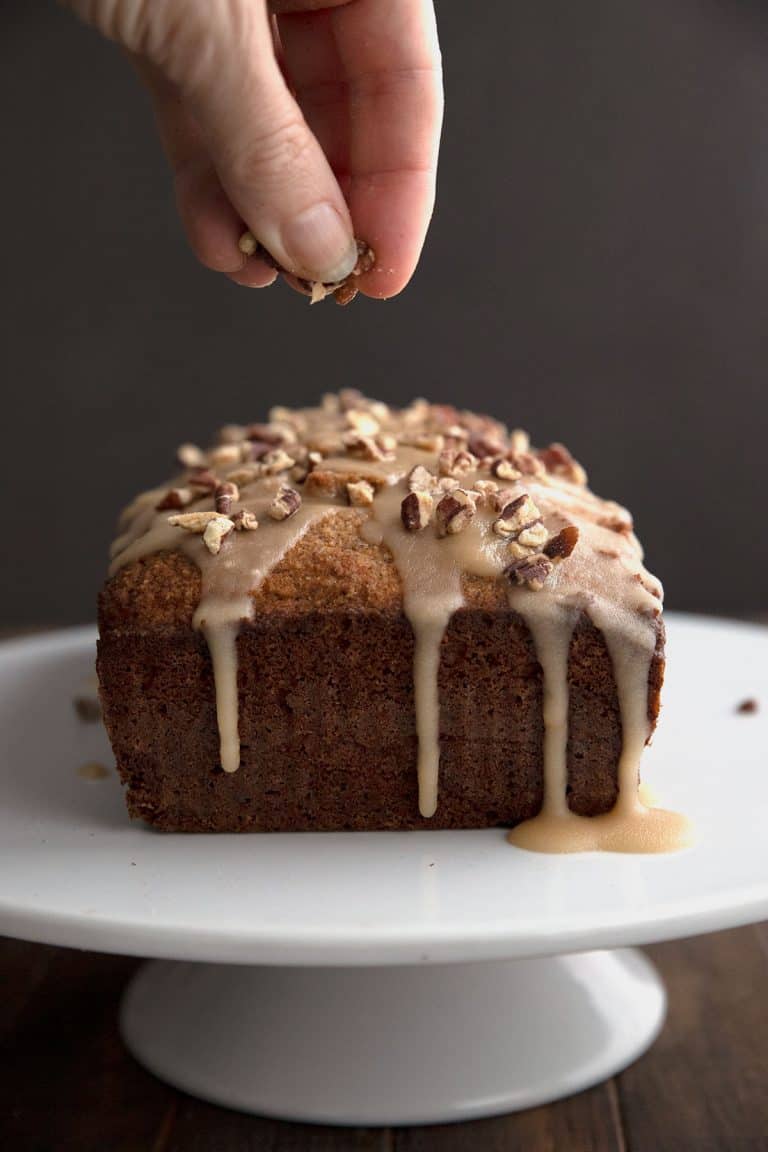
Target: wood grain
<point x="704" y="1084"/>
<point x="588" y="1122"/>
<point x="202" y="1127"/>
<point x="68" y="1084"/>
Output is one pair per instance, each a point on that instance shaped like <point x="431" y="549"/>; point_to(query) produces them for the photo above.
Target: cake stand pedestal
<point x="386" y="978"/>
<point x="404" y="1045"/>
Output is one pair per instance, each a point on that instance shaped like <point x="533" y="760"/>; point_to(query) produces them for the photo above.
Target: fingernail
<point x="319" y="243"/>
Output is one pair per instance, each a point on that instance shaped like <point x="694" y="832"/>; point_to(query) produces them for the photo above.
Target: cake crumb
<point x="93" y="770"/>
<point x="87" y="708"/>
<point x="748" y="707"/>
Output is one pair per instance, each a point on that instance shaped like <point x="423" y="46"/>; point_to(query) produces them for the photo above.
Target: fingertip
<point x="383" y="283"/>
<point x="254" y="274"/>
<point x="391" y="212"/>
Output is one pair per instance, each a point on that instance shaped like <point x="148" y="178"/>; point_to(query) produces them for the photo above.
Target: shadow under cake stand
<point x="381" y="978"/>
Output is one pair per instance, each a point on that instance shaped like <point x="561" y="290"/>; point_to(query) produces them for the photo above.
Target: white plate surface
<point x="75" y="871"/>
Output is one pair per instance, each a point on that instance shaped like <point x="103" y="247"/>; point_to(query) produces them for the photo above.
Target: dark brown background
<point x="597" y="272"/>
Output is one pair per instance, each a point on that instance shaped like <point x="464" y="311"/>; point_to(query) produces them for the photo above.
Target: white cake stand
<point x="381" y="978"/>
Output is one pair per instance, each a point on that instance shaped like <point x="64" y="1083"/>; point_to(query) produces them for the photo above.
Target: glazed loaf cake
<point x="352" y="617"/>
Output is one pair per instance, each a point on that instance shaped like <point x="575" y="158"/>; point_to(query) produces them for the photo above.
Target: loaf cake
<point x="356" y="617"/>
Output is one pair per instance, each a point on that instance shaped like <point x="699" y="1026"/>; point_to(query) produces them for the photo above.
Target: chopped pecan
<point x="362" y="422"/>
<point x="215" y="531"/>
<point x="487" y="487"/>
<point x="616" y="523"/>
<point x="360" y="493"/>
<point x="286" y="503"/>
<point x="232" y="433"/>
<point x="276" y="461"/>
<point x="225" y="454"/>
<point x="192" y="521"/>
<point x="344" y="291"/>
<point x="483" y="446"/>
<point x="447" y="484"/>
<point x="530" y="570"/>
<point x="416" y="413"/>
<point x="444" y="415"/>
<point x="416" y="510"/>
<point x="380" y="410"/>
<point x="517" y="516"/>
<point x="366" y="258"/>
<point x="274" y="433"/>
<point x="527" y="463"/>
<point x="486" y="490"/>
<point x="350" y="398"/>
<point x="326" y="443"/>
<point x="176" y="498"/>
<point x="559" y="461"/>
<point x="365" y="446"/>
<point x="190" y="456"/>
<point x="248" y="244"/>
<point x="226" y="492"/>
<point x="323" y="482"/>
<point x="560" y="546"/>
<point x="302" y="468"/>
<point x="421" y="479"/>
<point x="455" y="511"/>
<point x="518" y="551"/>
<point x="294" y="419"/>
<point x="533" y="536"/>
<point x="244" y="475"/>
<point x="505" y="470"/>
<point x="456" y="463"/>
<point x="456" y="437"/>
<point x="203" y="478"/>
<point x="257" y="449"/>
<point x="748" y="706"/>
<point x="427" y="441"/>
<point x="244" y="521"/>
<point x="504" y="497"/>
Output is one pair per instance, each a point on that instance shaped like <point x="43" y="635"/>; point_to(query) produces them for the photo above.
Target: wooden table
<point x="68" y="1085"/>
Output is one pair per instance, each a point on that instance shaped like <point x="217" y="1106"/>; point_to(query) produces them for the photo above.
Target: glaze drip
<point x="375" y="451"/>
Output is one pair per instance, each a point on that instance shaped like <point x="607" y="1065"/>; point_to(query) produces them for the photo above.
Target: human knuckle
<point x="282" y="149"/>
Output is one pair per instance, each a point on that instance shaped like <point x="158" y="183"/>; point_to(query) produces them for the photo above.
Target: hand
<point x="308" y="121"/>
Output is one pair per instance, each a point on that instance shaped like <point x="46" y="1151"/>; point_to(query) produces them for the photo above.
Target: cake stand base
<point x="399" y="1045"/>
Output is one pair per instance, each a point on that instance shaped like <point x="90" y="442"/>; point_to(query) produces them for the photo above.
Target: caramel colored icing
<point x="449" y="494"/>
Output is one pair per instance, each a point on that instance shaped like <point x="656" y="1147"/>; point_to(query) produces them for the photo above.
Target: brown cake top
<point x="453" y="468"/>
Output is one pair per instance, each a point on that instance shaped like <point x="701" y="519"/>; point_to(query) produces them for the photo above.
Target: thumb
<point x="222" y="58"/>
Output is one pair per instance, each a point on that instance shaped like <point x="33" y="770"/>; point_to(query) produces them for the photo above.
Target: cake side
<point x="328" y="732"/>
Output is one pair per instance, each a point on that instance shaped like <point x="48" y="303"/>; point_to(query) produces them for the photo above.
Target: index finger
<point x="390" y="59"/>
